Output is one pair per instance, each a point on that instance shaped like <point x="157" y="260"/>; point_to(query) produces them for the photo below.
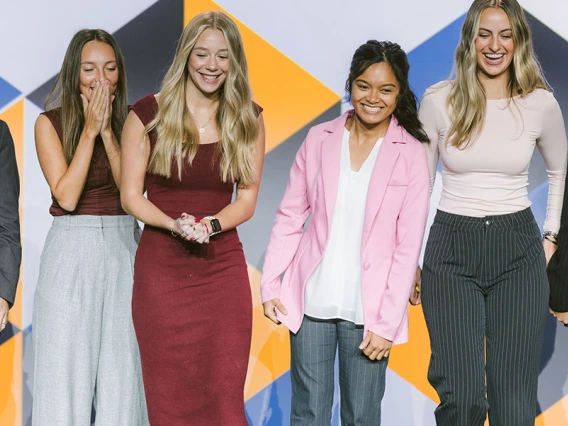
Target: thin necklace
<point x="201" y="128"/>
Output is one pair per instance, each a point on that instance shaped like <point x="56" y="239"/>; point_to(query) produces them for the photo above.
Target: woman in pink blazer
<point x="363" y="179"/>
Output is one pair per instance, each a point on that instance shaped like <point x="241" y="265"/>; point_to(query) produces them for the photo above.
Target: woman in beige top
<point x="484" y="285"/>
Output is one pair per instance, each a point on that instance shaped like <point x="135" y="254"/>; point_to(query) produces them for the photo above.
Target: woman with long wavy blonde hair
<point x="484" y="284"/>
<point x="188" y="147"/>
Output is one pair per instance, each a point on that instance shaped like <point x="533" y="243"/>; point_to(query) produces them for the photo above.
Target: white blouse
<point x="333" y="291"/>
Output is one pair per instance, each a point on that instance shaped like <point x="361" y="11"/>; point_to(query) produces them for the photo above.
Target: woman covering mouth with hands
<point x="84" y="343"/>
<point x="363" y="179"/>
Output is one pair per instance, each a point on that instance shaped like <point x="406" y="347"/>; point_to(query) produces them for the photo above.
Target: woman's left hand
<point x="549" y="249"/>
<point x="375" y="347"/>
<point x="107" y="118"/>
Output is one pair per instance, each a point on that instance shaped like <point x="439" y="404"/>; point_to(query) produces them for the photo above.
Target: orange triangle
<point x="410" y="361"/>
<point x="290" y="96"/>
<point x="11" y="381"/>
<point x="557" y="415"/>
<point x="14" y="117"/>
<point x="270" y="345"/>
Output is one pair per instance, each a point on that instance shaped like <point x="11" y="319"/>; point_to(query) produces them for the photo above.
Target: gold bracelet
<point x="112" y="158"/>
<point x="110" y="152"/>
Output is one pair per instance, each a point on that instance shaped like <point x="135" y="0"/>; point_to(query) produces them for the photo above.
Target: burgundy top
<point x="100" y="195"/>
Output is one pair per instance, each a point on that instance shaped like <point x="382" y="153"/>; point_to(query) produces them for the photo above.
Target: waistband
<point x="88" y="221"/>
<point x="504" y="221"/>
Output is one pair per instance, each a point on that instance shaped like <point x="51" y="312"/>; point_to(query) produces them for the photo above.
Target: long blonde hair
<point x="66" y="94"/>
<point x="177" y="136"/>
<point x="467" y="100"/>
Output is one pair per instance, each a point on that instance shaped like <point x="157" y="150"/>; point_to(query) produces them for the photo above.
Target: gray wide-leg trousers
<point x="84" y="343"/>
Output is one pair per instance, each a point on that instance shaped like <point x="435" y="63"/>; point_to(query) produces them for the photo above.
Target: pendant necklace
<point x="199" y="127"/>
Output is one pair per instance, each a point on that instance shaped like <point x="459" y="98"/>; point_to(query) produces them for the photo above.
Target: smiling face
<point x="208" y="62"/>
<point x="494" y="43"/>
<point x="98" y="62"/>
<point x="374" y="94"/>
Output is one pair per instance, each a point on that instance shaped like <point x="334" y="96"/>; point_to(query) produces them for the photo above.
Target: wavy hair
<point x="374" y="52"/>
<point x="467" y="100"/>
<point x="66" y="94"/>
<point x="177" y="136"/>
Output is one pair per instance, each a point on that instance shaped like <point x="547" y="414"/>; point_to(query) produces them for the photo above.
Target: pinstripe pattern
<point x="484" y="282"/>
<point x="361" y="381"/>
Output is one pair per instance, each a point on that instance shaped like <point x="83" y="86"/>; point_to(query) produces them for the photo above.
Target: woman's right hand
<point x="415" y="298"/>
<point x="270" y="310"/>
<point x="94" y="108"/>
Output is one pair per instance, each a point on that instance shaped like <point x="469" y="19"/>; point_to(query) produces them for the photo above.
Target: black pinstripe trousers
<point x="485" y="300"/>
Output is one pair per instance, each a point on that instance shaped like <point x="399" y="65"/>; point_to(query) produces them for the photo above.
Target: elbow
<point x="67" y="204"/>
<point x="125" y="203"/>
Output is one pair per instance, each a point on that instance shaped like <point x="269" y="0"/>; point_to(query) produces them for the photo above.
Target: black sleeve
<point x="10" y="247"/>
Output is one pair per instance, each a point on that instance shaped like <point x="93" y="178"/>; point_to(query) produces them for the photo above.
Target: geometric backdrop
<point x="299" y="53"/>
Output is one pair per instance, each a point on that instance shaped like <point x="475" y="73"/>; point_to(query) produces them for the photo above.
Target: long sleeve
<point x="558" y="266"/>
<point x="288" y="228"/>
<point x="410" y="232"/>
<point x="10" y="247"/>
<point x="553" y="148"/>
<point x="429" y="117"/>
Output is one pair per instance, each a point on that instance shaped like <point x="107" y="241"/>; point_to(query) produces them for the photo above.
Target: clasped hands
<point x="190" y="228"/>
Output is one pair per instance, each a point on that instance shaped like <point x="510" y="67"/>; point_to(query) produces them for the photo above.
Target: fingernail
<point x="197" y="220"/>
<point x="191" y="239"/>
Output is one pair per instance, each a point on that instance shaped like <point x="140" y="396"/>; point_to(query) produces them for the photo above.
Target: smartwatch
<point x="215" y="225"/>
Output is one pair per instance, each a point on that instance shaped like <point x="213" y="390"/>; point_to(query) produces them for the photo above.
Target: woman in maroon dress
<point x="188" y="147"/>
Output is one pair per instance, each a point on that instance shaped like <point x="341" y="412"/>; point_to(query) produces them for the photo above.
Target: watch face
<point x="215" y="225"/>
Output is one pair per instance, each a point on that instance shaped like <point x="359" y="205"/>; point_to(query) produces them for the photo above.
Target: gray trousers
<point x="361" y="381"/>
<point x="485" y="300"/>
<point x="85" y="349"/>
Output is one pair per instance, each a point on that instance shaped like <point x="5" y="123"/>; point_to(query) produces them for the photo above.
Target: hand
<point x="94" y="109"/>
<point x="415" y="298"/>
<point x="4" y="308"/>
<point x="271" y="307"/>
<point x="106" y="126"/>
<point x="561" y="317"/>
<point x="375" y="347"/>
<point x="182" y="226"/>
<point x="549" y="249"/>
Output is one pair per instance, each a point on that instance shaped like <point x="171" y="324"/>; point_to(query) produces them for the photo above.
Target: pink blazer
<point x="395" y="218"/>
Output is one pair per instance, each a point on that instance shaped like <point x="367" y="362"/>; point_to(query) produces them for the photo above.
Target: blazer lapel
<point x="330" y="163"/>
<point x="386" y="160"/>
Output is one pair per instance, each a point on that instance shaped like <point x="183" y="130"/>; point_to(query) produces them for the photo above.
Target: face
<point x="374" y="94"/>
<point x="98" y="62"/>
<point x="494" y="43"/>
<point x="208" y="62"/>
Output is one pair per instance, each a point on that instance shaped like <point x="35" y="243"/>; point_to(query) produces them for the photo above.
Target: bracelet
<point x="552" y="234"/>
<point x="112" y="158"/>
<point x="551" y="240"/>
<point x="110" y="152"/>
<point x="172" y="229"/>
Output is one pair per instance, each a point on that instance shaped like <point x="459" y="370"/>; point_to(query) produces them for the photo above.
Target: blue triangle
<point x="432" y="61"/>
<point x="7" y="93"/>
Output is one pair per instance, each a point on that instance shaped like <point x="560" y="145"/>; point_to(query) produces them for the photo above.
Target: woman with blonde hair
<point x="484" y="285"/>
<point x="84" y="343"/>
<point x="188" y="147"/>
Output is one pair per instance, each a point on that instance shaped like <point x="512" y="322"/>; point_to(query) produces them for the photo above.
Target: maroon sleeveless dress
<point x="191" y="305"/>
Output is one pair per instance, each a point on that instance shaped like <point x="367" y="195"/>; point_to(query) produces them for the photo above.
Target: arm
<point x="429" y="117"/>
<point x="242" y="209"/>
<point x="135" y="157"/>
<point x="410" y="231"/>
<point x="288" y="228"/>
<point x="10" y="247"/>
<point x="553" y="148"/>
<point x="111" y="144"/>
<point x="66" y="182"/>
